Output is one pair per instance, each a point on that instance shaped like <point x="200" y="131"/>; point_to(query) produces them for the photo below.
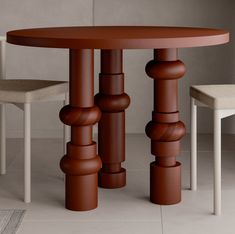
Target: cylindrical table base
<point x="112" y="101"/>
<point x="112" y="180"/>
<point x="165" y="184"/>
<point x="81" y="192"/>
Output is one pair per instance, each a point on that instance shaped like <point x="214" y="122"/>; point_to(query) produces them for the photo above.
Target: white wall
<point x="204" y="65"/>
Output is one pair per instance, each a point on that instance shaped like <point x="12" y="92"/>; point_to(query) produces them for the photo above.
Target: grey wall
<point x="39" y="63"/>
<point x="204" y="65"/>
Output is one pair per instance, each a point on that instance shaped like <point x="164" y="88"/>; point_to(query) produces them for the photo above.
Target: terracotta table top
<point x="118" y="37"/>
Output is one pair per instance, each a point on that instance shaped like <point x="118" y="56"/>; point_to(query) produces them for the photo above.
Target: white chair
<point x="22" y="93"/>
<point x="221" y="99"/>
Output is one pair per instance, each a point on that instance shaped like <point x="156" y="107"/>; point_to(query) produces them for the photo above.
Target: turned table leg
<point x="112" y="101"/>
<point x="165" y="130"/>
<point x="81" y="163"/>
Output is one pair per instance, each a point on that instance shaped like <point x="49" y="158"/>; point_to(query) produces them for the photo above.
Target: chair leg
<point x="3" y="139"/>
<point x="193" y="162"/>
<point x="27" y="153"/>
<point x="217" y="163"/>
<point x="66" y="128"/>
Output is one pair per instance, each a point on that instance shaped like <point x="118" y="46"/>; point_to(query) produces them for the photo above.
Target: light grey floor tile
<point x="125" y="210"/>
<point x="194" y="214"/>
<point x="205" y="169"/>
<point x="117" y="227"/>
<point x="129" y="203"/>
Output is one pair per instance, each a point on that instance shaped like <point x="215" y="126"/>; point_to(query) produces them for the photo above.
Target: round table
<point x="81" y="164"/>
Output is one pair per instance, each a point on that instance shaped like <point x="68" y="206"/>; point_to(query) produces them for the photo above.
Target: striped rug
<point x="10" y="220"/>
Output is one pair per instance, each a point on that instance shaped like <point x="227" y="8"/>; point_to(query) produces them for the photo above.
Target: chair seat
<point x="23" y="91"/>
<point x="215" y="96"/>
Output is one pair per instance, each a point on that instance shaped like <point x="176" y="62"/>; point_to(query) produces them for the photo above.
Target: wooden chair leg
<point x="217" y="162"/>
<point x="193" y="163"/>
<point x="27" y="153"/>
<point x="3" y="139"/>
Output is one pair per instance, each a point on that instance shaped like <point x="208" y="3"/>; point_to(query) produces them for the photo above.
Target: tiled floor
<point x="125" y="210"/>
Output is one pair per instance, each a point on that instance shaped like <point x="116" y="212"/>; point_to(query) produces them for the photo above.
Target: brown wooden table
<point x="82" y="164"/>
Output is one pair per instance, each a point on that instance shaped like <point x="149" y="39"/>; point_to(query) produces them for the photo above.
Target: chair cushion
<point x="20" y="91"/>
<point x="215" y="96"/>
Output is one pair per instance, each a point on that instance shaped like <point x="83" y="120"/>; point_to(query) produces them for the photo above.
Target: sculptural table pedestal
<point x="81" y="163"/>
<point x="165" y="130"/>
<point x="111" y="129"/>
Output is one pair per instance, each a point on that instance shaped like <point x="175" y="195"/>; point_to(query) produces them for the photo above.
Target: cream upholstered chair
<point x="22" y="93"/>
<point x="221" y="99"/>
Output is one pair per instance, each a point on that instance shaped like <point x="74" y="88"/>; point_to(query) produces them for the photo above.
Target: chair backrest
<point x="2" y="57"/>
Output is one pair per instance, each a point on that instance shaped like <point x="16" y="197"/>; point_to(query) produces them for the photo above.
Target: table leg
<point x="165" y="130"/>
<point x="112" y="101"/>
<point x="81" y="164"/>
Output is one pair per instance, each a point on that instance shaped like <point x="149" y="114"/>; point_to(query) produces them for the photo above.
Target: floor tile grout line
<point x="88" y="221"/>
